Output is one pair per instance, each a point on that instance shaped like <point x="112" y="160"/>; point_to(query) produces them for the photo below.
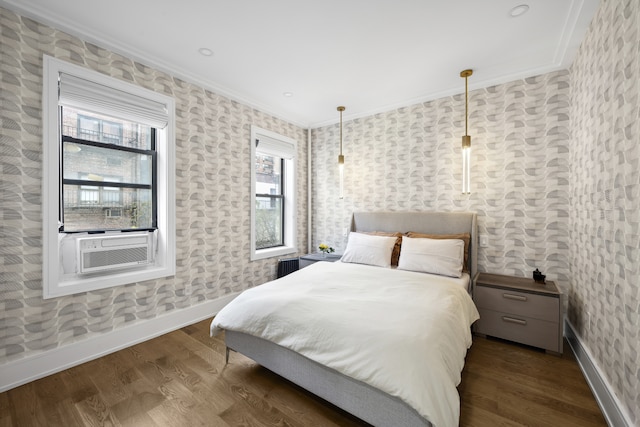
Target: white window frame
<point x="289" y="187"/>
<point x="57" y="282"/>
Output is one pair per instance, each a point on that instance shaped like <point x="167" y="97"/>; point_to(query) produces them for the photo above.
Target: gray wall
<point x="605" y="197"/>
<point x="212" y="191"/>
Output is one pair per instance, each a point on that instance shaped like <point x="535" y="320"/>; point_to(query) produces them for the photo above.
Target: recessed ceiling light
<point x="205" y="51"/>
<point x="519" y="10"/>
<point x="287" y="94"/>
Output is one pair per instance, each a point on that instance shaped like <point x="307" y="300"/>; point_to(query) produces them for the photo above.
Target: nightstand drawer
<point x="534" y="332"/>
<point x="523" y="303"/>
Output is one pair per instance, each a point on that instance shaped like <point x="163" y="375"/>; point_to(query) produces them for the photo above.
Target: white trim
<point x="309" y="195"/>
<point x="580" y="14"/>
<point x="612" y="409"/>
<point x="31" y="368"/>
<point x="55" y="283"/>
<point x="290" y="207"/>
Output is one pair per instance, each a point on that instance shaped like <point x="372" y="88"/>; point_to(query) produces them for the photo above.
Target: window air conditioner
<point x="113" y="213"/>
<point x="104" y="253"/>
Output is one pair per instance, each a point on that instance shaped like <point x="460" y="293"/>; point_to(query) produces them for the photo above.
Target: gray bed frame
<point x="357" y="398"/>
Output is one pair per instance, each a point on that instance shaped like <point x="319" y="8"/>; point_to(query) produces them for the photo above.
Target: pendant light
<point x="466" y="139"/>
<point x="341" y="157"/>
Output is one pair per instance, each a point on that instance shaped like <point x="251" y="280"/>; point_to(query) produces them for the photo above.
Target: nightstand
<point x="307" y="260"/>
<point x="519" y="309"/>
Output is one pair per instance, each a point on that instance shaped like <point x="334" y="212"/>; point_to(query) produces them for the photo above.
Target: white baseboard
<point x="611" y="407"/>
<point x="22" y="371"/>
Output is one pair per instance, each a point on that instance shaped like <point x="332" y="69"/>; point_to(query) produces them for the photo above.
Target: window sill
<point x="273" y="252"/>
<point x="76" y="284"/>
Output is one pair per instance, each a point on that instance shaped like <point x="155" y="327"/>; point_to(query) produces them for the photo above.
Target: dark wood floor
<point x="180" y="379"/>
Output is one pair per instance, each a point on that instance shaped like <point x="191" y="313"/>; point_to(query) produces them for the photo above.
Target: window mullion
<point x="154" y="179"/>
<point x="67" y="181"/>
<point x="272" y="196"/>
<point x="283" y="203"/>
<point x="107" y="146"/>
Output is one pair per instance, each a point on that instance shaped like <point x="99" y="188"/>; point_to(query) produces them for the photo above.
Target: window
<point x="106" y="164"/>
<point x="273" y="212"/>
<point x="269" y="201"/>
<point x="94" y="129"/>
<point x="108" y="181"/>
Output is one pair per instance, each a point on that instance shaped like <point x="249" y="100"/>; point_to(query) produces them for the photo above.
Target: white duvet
<point x="402" y="332"/>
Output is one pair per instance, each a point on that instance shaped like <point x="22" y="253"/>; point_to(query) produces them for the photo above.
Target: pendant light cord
<point x="466" y="74"/>
<point x="340" y="109"/>
<point x="466" y="105"/>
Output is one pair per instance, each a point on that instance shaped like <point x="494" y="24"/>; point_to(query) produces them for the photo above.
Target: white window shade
<point x="275" y="148"/>
<point x="86" y="95"/>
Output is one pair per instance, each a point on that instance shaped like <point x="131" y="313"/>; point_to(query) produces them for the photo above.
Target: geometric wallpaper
<point x="213" y="197"/>
<point x="410" y="159"/>
<point x="604" y="221"/>
<point x="555" y="182"/>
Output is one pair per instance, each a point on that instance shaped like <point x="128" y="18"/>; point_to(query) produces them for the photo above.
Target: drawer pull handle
<point x="512" y="320"/>
<point x="514" y="297"/>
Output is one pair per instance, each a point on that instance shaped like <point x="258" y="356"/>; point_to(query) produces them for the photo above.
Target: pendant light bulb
<point x="341" y="173"/>
<point x="341" y="157"/>
<point x="466" y="139"/>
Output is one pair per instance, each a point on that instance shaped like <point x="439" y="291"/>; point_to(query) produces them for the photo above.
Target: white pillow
<point x="437" y="256"/>
<point x="368" y="249"/>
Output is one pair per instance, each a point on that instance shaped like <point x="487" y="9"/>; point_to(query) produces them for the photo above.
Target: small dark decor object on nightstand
<point x="538" y="276"/>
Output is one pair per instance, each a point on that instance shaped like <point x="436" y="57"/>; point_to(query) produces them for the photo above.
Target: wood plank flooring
<point x="180" y="379"/>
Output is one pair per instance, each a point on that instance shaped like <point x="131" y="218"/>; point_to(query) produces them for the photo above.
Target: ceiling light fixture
<point x="519" y="10"/>
<point x="205" y="51"/>
<point x="287" y="94"/>
<point x="466" y="139"/>
<point x="341" y="157"/>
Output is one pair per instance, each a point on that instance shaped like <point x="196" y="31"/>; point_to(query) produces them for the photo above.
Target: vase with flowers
<point x="325" y="249"/>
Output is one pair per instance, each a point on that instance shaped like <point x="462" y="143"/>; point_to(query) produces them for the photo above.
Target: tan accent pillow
<point x="465" y="237"/>
<point x="395" y="255"/>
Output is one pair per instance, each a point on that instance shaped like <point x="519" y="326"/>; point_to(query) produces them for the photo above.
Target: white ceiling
<point x="369" y="55"/>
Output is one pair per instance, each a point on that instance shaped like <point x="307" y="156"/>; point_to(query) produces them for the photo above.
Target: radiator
<point x="288" y="265"/>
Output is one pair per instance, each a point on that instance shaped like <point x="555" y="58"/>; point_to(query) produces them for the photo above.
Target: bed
<point x="378" y="388"/>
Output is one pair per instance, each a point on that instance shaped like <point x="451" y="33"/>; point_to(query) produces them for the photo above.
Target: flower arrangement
<point x="325" y="249"/>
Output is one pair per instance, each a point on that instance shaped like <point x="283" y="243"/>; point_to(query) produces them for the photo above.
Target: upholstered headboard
<point x="423" y="222"/>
